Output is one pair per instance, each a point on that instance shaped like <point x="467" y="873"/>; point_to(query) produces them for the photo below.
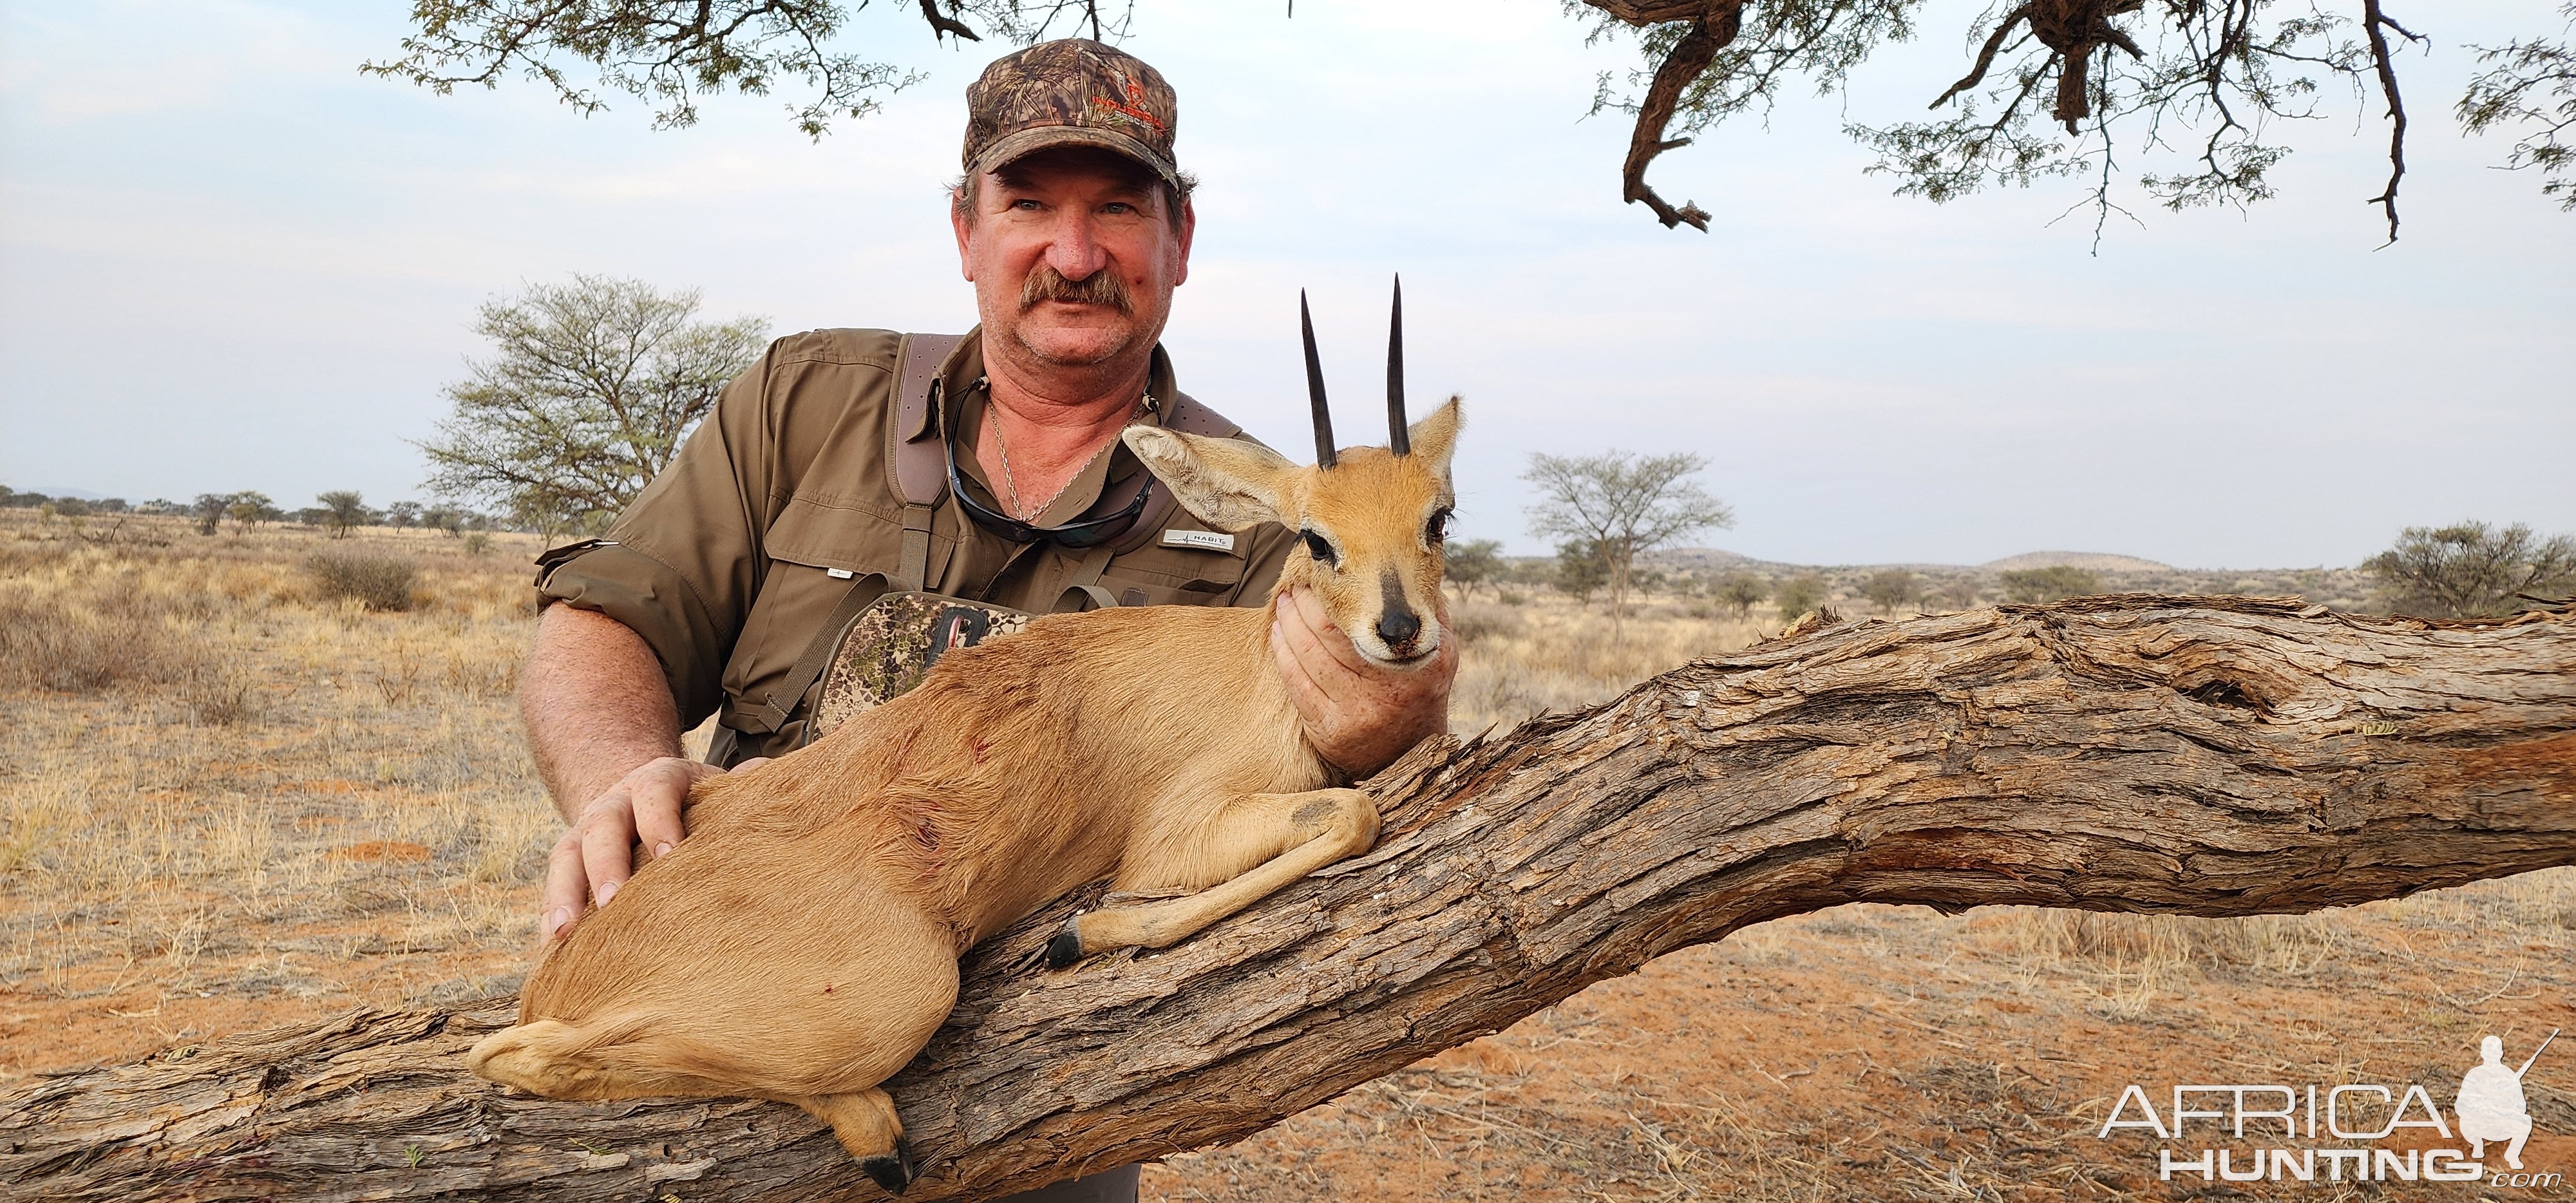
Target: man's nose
<point x="1073" y="252"/>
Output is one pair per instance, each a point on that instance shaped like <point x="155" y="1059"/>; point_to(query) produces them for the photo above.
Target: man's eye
<point x="1317" y="547"/>
<point x="1025" y="206"/>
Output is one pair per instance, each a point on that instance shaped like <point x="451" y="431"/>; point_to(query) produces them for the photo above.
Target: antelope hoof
<point x="1066" y="947"/>
<point x="893" y="1171"/>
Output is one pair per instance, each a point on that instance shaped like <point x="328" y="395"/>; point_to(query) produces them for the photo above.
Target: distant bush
<point x="379" y="582"/>
<point x="1740" y="592"/>
<point x="2053" y="583"/>
<point x="1477" y="623"/>
<point x="1892" y="588"/>
<point x="1798" y="595"/>
<point x="1579" y="569"/>
<point x="1472" y="562"/>
<point x="48" y="644"/>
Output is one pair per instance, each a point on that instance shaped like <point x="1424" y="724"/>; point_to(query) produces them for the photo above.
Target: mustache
<point x="1102" y="287"/>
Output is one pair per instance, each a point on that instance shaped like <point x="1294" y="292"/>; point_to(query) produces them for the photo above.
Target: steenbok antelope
<point x="802" y="944"/>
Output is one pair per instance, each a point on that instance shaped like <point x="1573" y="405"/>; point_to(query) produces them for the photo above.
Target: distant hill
<point x="2090" y="561"/>
<point x="1701" y="559"/>
<point x="1688" y="558"/>
<point x="1688" y="572"/>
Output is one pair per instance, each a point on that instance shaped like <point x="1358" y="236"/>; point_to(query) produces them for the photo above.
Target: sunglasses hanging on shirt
<point x="1075" y="535"/>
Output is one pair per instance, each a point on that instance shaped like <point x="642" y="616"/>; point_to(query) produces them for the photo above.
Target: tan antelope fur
<point x="801" y="945"/>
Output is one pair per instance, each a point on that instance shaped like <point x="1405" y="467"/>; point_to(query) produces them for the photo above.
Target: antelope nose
<point x="1398" y="627"/>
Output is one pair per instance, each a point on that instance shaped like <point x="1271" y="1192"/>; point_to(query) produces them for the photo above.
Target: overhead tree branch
<point x="1713" y="26"/>
<point x="2211" y="756"/>
<point x="2374" y="22"/>
<point x="940" y="24"/>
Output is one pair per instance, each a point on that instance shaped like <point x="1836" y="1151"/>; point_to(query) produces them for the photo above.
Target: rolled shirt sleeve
<point x="681" y="564"/>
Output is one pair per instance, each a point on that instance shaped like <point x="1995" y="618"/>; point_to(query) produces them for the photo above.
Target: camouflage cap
<point x="1071" y="92"/>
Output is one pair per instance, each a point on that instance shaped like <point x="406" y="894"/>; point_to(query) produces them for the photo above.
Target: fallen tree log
<point x="2208" y="756"/>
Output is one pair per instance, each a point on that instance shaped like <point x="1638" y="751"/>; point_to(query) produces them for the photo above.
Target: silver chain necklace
<point x="1010" y="481"/>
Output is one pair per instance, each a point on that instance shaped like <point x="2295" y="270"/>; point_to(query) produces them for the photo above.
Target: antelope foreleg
<point x="1298" y="833"/>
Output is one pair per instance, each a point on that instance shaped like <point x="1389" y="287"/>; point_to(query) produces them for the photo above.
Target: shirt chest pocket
<point x="816" y="550"/>
<point x="843" y="537"/>
<point x="1174" y="576"/>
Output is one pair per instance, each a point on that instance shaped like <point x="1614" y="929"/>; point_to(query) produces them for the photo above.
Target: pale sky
<point x="228" y="261"/>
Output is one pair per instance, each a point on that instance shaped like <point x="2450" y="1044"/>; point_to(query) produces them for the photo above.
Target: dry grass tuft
<point x="374" y="580"/>
<point x="55" y="643"/>
<point x="1551" y="653"/>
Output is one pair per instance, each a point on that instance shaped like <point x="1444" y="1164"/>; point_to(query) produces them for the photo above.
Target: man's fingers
<point x="656" y="805"/>
<point x="1312" y="646"/>
<point x="567" y="891"/>
<point x="1321" y="634"/>
<point x="607" y="845"/>
<point x="1303" y="693"/>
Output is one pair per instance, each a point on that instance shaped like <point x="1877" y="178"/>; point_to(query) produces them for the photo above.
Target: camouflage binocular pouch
<point x="891" y="646"/>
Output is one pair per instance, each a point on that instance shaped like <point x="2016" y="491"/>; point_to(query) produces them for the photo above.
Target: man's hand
<point x="1360" y="715"/>
<point x="598" y="852"/>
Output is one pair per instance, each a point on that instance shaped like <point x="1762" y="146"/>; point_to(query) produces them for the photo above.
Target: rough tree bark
<point x="2214" y="756"/>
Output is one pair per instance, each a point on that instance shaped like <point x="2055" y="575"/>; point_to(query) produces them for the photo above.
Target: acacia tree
<point x="1621" y="505"/>
<point x="1890" y="588"/>
<point x="1471" y="562"/>
<point x="2472" y="570"/>
<point x="591" y="388"/>
<point x="1578" y="571"/>
<point x="1740" y="592"/>
<point x="344" y="510"/>
<point x="249" y="508"/>
<point x="2198" y="90"/>
<point x="209" y="510"/>
<point x="1799" y="596"/>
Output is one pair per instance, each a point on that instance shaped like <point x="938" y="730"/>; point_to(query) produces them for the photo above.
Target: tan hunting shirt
<point x="725" y="563"/>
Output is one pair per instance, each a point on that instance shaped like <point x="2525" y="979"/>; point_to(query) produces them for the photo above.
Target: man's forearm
<point x="595" y="705"/>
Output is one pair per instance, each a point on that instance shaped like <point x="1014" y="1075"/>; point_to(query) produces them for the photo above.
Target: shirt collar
<point x="965" y="365"/>
<point x="963" y="400"/>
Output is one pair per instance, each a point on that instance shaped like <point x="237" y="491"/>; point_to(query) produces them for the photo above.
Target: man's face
<point x="1073" y="257"/>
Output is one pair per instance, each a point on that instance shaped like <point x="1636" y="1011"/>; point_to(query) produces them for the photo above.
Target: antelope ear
<point x="1230" y="484"/>
<point x="1436" y="435"/>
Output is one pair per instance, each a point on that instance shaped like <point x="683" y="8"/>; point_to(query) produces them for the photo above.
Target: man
<point x="2490" y="1104"/>
<point x="1074" y="224"/>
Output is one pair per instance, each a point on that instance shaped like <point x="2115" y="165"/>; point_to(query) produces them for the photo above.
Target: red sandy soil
<point x="1892" y="1053"/>
<point x="1861" y="1053"/>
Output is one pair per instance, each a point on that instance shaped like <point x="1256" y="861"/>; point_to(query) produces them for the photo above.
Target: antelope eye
<point x="1317" y="547"/>
<point x="1438" y="529"/>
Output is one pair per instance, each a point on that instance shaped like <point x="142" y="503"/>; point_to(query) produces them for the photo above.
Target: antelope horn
<point x="1397" y="440"/>
<point x="1315" y="387"/>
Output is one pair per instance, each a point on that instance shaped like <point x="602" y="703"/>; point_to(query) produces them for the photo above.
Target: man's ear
<point x="1436" y="435"/>
<point x="963" y="223"/>
<point x="1229" y="483"/>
